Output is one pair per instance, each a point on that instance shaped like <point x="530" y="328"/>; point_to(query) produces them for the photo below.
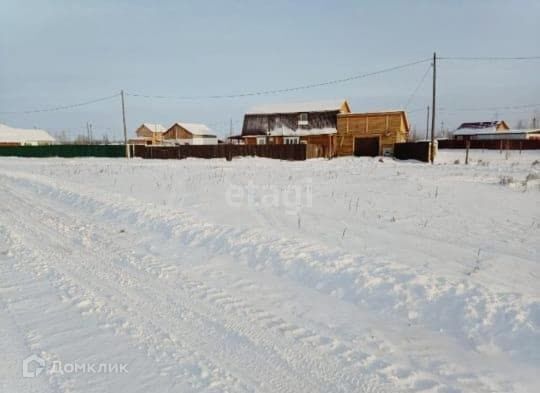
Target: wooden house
<point x="370" y="134"/>
<point x="312" y="123"/>
<point x="189" y="134"/>
<point x="149" y="134"/>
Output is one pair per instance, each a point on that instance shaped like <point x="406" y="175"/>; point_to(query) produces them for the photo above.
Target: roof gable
<point x="195" y="129"/>
<point x="157" y="128"/>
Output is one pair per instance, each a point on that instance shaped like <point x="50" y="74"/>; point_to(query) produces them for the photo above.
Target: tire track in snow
<point x="279" y="383"/>
<point x="115" y="307"/>
<point x="386" y="287"/>
<point x="53" y="328"/>
<point x="150" y="219"/>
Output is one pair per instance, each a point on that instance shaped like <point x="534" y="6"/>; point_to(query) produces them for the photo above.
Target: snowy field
<point x="350" y="275"/>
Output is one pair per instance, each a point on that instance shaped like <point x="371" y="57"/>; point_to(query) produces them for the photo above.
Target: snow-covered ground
<point x="350" y="275"/>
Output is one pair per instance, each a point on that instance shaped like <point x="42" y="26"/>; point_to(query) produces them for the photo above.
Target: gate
<point x="366" y="147"/>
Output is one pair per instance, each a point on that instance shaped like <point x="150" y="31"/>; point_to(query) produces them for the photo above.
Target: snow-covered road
<point x="351" y="275"/>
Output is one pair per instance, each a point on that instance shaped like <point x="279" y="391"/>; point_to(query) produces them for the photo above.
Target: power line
<point x="493" y="108"/>
<point x="489" y="58"/>
<point x="284" y="90"/>
<point x="417" y="87"/>
<point x="62" y="107"/>
<point x="484" y="109"/>
<point x="257" y="93"/>
<point x="302" y="87"/>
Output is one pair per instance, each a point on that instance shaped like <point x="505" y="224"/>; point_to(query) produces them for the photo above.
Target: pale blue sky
<point x="63" y="52"/>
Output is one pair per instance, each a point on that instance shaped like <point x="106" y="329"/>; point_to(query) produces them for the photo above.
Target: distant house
<point x="148" y="134"/>
<point x="370" y="133"/>
<point x="189" y="134"/>
<point x="488" y="126"/>
<point x="493" y="130"/>
<point x="311" y="122"/>
<point x="11" y="136"/>
<point x="490" y="134"/>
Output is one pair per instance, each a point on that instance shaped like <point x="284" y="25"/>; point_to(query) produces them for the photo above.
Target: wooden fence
<point x="503" y="144"/>
<point x="296" y="152"/>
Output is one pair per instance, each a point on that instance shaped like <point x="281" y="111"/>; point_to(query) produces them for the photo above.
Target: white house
<point x="21" y="136"/>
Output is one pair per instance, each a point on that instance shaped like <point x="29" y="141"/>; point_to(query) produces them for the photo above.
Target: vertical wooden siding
<point x="389" y="127"/>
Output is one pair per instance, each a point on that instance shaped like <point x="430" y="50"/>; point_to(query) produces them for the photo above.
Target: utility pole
<point x="441" y="131"/>
<point x="534" y="122"/>
<point x="433" y="103"/>
<point x="230" y="127"/>
<point x="427" y="124"/>
<point x="124" y="121"/>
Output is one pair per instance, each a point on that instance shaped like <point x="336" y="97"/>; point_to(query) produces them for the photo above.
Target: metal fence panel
<point x="68" y="151"/>
<point x="502" y="144"/>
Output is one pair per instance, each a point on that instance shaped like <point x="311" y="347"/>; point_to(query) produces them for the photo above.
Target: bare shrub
<point x="506" y="180"/>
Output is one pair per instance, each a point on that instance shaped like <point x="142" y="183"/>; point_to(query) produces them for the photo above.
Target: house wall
<point x="505" y="136"/>
<point x="191" y="141"/>
<point x="144" y="132"/>
<point x="502" y="126"/>
<point x="139" y="141"/>
<point x="250" y="141"/>
<point x="177" y="132"/>
<point x="389" y="127"/>
<point x="204" y="141"/>
<point x="326" y="142"/>
<point x="275" y="140"/>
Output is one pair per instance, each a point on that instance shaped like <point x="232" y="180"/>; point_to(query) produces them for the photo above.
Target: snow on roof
<point x="475" y="131"/>
<point x="197" y="129"/>
<point x="284" y="131"/>
<point x="20" y="135"/>
<point x="298" y="107"/>
<point x="481" y="124"/>
<point x="492" y="130"/>
<point x="154" y="127"/>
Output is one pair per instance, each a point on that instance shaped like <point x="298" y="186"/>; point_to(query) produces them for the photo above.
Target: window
<point x="261" y="140"/>
<point x="303" y="119"/>
<point x="291" y="140"/>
